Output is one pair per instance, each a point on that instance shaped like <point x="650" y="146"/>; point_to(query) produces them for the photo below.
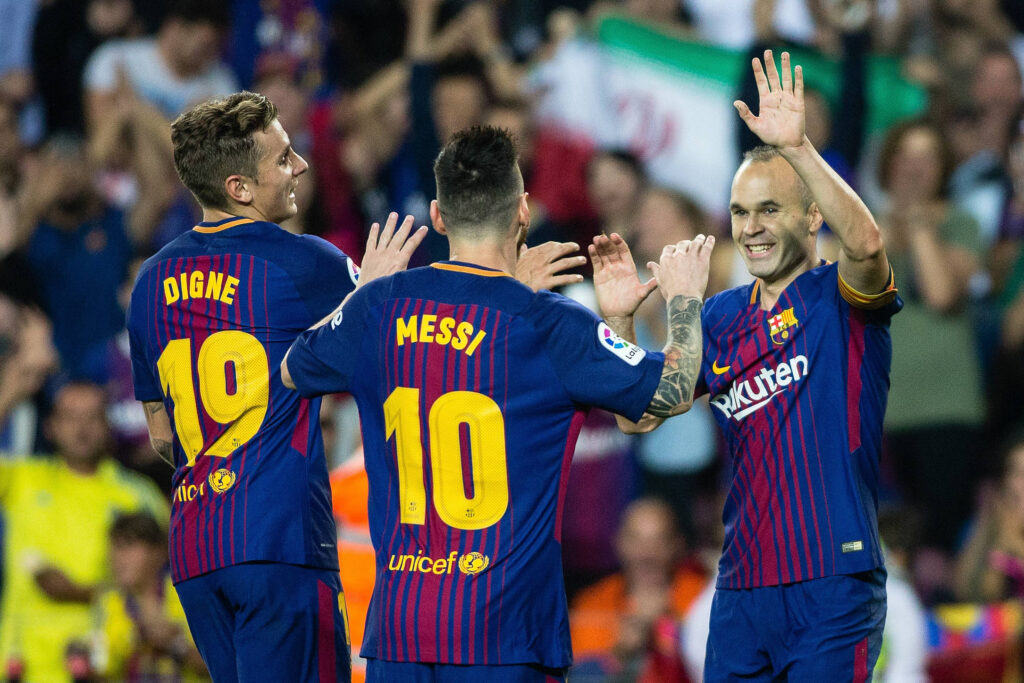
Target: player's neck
<point x="771" y="291"/>
<point x="486" y="254"/>
<point x="217" y="215"/>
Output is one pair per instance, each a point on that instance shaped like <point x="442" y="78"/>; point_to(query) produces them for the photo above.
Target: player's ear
<point x="435" y="218"/>
<point x="523" y="215"/>
<point x="238" y="189"/>
<point x="815" y="218"/>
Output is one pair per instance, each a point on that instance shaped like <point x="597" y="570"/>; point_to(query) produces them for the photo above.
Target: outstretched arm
<point x="780" y="123"/>
<point x="682" y="277"/>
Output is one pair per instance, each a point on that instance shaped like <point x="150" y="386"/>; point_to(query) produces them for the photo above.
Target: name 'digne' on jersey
<point x="446" y="331"/>
<point x="751" y="394"/>
<point x="198" y="284"/>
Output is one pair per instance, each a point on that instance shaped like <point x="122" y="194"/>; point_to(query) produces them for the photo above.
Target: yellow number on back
<point x="243" y="410"/>
<point x="486" y="430"/>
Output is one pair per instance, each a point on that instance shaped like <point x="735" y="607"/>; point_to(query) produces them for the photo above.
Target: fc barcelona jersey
<point x="211" y="317"/>
<point x="799" y="392"/>
<point x="471" y="391"/>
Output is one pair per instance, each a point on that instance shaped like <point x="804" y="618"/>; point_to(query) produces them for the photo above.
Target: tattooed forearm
<point x="164" y="449"/>
<point x="682" y="359"/>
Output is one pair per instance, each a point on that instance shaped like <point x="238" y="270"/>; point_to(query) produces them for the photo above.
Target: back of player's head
<point x="478" y="180"/>
<point x="763" y="154"/>
<point x="215" y="140"/>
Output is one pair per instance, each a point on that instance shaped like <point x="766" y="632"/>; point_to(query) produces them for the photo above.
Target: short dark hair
<point x="478" y="179"/>
<point x="763" y="154"/>
<point x="215" y="140"/>
<point x="138" y="527"/>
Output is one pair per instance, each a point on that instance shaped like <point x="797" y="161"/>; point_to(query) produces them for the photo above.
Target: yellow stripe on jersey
<point x="869" y="301"/>
<point x="470" y="270"/>
<point x="224" y="226"/>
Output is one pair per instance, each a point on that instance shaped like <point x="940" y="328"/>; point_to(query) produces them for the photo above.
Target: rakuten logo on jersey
<point x="750" y="395"/>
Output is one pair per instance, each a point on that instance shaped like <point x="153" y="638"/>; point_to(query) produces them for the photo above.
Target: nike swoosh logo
<point x="719" y="371"/>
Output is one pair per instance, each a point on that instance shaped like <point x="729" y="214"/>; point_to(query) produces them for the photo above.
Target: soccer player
<point x="471" y="389"/>
<point x="797" y="366"/>
<point x="252" y="538"/>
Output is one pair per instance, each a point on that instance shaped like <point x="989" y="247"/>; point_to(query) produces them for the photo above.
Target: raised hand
<point x="541" y="267"/>
<point x="616" y="283"/>
<point x="388" y="251"/>
<point x="683" y="268"/>
<point x="780" y="119"/>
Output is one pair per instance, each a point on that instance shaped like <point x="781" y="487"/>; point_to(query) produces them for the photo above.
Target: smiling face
<point x="773" y="225"/>
<point x="273" y="195"/>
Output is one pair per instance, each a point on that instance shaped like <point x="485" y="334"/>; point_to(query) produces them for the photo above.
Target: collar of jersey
<point x="223" y="224"/>
<point x="469" y="268"/>
<point x="755" y="291"/>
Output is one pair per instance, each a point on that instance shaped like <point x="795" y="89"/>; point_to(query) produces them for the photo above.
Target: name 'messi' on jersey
<point x="460" y="335"/>
<point x="749" y="395"/>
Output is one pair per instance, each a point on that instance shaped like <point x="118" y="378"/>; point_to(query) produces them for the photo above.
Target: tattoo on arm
<point x="165" y="449"/>
<point x="154" y="407"/>
<point x="682" y="358"/>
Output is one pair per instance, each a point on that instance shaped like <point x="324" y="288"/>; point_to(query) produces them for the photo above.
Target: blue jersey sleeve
<point x="324" y="360"/>
<point x="596" y="366"/>
<point x="328" y="280"/>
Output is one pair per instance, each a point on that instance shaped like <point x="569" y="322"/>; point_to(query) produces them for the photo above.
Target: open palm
<point x="616" y="283"/>
<point x="780" y="120"/>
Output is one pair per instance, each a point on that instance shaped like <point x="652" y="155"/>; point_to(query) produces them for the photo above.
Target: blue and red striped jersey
<point x="799" y="392"/>
<point x="211" y="317"/>
<point x="471" y="391"/>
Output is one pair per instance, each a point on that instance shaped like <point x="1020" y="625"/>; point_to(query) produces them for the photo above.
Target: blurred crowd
<point x="367" y="90"/>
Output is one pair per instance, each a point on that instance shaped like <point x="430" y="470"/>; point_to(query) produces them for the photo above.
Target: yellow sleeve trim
<point x="868" y="301"/>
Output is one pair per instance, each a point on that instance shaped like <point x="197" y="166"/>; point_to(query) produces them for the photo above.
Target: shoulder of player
<point x="546" y="303"/>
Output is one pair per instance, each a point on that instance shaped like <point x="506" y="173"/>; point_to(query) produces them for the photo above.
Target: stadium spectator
<point x="990" y="566"/>
<point x="627" y="625"/>
<point x="66" y="34"/>
<point x="79" y="250"/>
<point x="905" y="641"/>
<point x="50" y="578"/>
<point x="164" y="74"/>
<point x="27" y="359"/>
<point x="980" y="130"/>
<point x="932" y="432"/>
<point x="176" y="68"/>
<point x="615" y="181"/>
<point x="140" y="633"/>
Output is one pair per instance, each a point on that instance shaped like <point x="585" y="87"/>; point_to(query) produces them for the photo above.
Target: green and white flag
<point x="670" y="101"/>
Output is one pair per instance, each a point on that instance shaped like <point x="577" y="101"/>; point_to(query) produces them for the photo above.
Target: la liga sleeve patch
<point x="631" y="353"/>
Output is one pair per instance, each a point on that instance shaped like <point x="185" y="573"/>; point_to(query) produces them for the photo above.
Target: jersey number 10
<point x="241" y="407"/>
<point x="486" y="435"/>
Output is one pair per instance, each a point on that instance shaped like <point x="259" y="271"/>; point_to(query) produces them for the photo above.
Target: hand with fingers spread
<point x="542" y="267"/>
<point x="683" y="268"/>
<point x="617" y="285"/>
<point x="388" y="251"/>
<point x="780" y="119"/>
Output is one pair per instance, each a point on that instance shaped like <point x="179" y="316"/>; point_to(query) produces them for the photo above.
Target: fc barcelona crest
<point x="779" y="325"/>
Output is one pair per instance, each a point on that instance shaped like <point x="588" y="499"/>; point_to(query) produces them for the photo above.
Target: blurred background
<point x="623" y="111"/>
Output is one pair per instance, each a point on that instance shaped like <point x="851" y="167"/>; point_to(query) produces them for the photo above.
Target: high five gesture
<point x="780" y="120"/>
